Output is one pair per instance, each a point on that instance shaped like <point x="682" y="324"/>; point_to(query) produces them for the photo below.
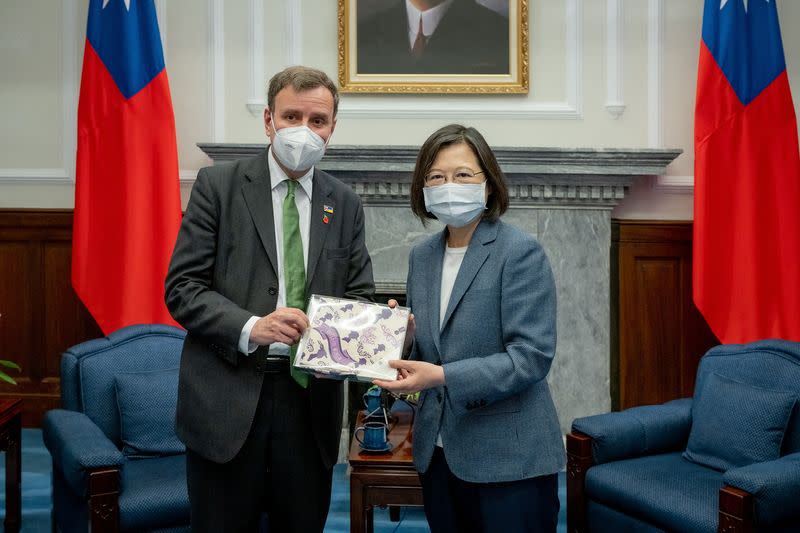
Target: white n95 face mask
<point x="298" y="148"/>
<point x="456" y="204"/>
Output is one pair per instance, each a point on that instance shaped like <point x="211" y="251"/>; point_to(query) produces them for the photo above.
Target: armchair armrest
<point x="637" y="431"/>
<point x="78" y="446"/>
<point x="774" y="486"/>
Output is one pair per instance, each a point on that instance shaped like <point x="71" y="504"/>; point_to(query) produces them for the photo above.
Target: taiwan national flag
<point x="747" y="177"/>
<point x="127" y="197"/>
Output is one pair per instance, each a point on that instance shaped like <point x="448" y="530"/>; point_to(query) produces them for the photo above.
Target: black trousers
<point x="278" y="470"/>
<point x="454" y="505"/>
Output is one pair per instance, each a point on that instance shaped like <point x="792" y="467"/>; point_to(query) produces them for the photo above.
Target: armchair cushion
<point x="147" y="402"/>
<point x="775" y="486"/>
<point x="637" y="431"/>
<point x="737" y="424"/>
<point x="153" y="493"/>
<point x="77" y="445"/>
<point x="664" y="490"/>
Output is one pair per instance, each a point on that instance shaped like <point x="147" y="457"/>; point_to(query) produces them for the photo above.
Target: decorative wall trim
<point x="655" y="72"/>
<point x="294" y="27"/>
<point x="31" y="176"/>
<point x="216" y="11"/>
<point x="358" y="106"/>
<point x="675" y="184"/>
<point x="255" y="100"/>
<point x="556" y="177"/>
<point x="615" y="45"/>
<point x="161" y="15"/>
<point x="187" y="176"/>
<point x="70" y="44"/>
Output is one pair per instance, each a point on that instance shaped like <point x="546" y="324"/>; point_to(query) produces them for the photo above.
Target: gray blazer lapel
<point x="476" y="255"/>
<point x="434" y="263"/>
<point x="318" y="229"/>
<point x="258" y="197"/>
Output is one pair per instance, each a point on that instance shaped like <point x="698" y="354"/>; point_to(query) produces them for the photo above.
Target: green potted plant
<point x="8" y="364"/>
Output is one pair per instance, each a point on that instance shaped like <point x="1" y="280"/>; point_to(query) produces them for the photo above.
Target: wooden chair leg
<point x="736" y="513"/>
<point x="104" y="500"/>
<point x="579" y="459"/>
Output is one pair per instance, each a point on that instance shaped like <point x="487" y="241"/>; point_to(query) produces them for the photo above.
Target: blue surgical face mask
<point x="456" y="204"/>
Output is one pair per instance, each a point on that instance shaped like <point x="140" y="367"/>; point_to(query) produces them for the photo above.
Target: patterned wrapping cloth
<point x="352" y="339"/>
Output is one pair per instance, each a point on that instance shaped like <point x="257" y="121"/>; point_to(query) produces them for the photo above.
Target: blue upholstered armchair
<point x="727" y="459"/>
<point x="117" y="464"/>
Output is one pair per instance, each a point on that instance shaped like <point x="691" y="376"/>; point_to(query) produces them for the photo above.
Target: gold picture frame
<point x="462" y="59"/>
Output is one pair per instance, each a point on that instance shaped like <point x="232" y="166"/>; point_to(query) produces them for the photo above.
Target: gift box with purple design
<point x="352" y="338"/>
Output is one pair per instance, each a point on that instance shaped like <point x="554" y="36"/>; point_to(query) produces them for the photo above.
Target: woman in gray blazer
<point x="487" y="441"/>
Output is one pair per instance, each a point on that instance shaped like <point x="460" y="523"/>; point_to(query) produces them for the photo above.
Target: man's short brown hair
<point x="496" y="204"/>
<point x="301" y="78"/>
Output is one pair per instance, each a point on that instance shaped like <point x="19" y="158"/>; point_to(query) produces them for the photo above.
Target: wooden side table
<point x="10" y="442"/>
<point x="383" y="478"/>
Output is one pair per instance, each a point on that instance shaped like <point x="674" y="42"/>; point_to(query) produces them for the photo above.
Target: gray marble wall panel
<point x="391" y="233"/>
<point x="577" y="243"/>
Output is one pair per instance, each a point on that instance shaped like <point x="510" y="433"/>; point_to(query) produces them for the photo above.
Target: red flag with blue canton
<point x="747" y="177"/>
<point x="127" y="195"/>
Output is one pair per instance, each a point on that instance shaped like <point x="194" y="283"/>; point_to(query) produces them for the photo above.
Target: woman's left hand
<point x="413" y="376"/>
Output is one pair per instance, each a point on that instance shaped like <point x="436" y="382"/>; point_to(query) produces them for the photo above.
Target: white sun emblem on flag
<point x="128" y="4"/>
<point x="723" y="2"/>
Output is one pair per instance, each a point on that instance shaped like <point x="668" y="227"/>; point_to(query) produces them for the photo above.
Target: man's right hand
<point x="285" y="325"/>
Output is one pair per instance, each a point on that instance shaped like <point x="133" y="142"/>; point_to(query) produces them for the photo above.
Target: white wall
<point x="219" y="55"/>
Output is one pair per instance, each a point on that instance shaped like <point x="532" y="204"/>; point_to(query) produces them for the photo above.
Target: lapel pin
<point x="325" y="219"/>
<point x="328" y="209"/>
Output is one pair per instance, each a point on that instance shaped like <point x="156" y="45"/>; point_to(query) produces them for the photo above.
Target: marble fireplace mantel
<point x="551" y="177"/>
<point x="562" y="196"/>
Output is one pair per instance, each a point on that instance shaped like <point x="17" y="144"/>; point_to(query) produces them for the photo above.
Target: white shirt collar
<point x="277" y="175"/>
<point x="430" y="19"/>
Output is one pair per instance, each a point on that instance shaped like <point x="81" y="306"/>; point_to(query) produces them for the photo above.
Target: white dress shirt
<point x="453" y="257"/>
<point x="302" y="200"/>
<point x="430" y="20"/>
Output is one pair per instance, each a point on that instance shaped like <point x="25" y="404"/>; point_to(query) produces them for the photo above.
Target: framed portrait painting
<point x="433" y="46"/>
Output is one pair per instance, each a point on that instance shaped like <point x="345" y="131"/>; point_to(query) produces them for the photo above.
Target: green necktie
<point x="294" y="270"/>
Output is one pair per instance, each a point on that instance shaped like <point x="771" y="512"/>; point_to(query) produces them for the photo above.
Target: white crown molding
<point x="481" y="106"/>
<point x="216" y="9"/>
<point x="161" y="15"/>
<point x="675" y="184"/>
<point x="655" y="72"/>
<point x="615" y="45"/>
<point x="255" y="100"/>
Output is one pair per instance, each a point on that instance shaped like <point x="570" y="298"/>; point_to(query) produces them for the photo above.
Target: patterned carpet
<point x="36" y="496"/>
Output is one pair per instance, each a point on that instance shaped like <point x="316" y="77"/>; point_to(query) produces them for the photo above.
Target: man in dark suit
<point x="433" y="37"/>
<point x="259" y="236"/>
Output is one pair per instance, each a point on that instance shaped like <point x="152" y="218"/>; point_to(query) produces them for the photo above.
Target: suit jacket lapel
<point x="258" y="197"/>
<point x="318" y="229"/>
<point x="476" y="255"/>
<point x="434" y="284"/>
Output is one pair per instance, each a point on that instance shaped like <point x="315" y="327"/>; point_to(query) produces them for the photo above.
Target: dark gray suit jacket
<point x="496" y="416"/>
<point x="224" y="270"/>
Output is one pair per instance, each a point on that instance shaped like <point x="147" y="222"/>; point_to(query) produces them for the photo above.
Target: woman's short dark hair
<point x="496" y="204"/>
